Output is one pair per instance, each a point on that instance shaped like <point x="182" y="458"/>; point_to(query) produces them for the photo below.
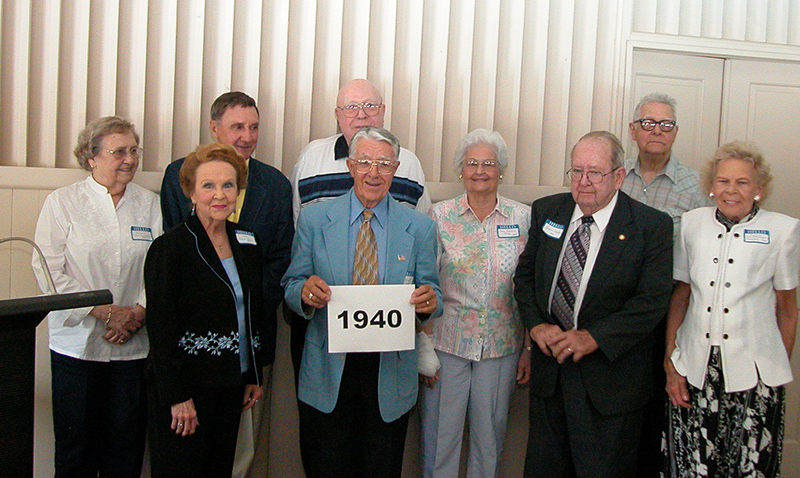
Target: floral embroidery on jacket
<point x="213" y="343"/>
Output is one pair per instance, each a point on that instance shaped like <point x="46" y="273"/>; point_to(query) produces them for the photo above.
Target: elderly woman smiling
<point x="94" y="235"/>
<point x="203" y="281"/>
<point x="479" y="337"/>
<point x="731" y="325"/>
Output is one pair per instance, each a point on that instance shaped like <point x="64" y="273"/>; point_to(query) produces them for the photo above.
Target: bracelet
<point x="108" y="319"/>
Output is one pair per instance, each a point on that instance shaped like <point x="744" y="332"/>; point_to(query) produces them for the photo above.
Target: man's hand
<point x="554" y="342"/>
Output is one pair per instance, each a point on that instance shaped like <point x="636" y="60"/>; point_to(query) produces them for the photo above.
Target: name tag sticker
<point x="245" y="237"/>
<point x="552" y="229"/>
<point x="758" y="236"/>
<point x="507" y="231"/>
<point x="139" y="233"/>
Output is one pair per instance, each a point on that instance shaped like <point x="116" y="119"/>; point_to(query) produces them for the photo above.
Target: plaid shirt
<point x="674" y="190"/>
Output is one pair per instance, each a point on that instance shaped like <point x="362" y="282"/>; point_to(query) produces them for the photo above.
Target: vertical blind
<point x="541" y="72"/>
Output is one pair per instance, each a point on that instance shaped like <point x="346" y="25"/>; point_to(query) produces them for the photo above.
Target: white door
<point x="762" y="103"/>
<point x="720" y="100"/>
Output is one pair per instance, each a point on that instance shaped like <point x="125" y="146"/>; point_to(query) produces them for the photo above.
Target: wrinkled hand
<point x="554" y="342"/>
<point x="252" y="393"/>
<point x="524" y="367"/>
<point x="677" y="387"/>
<point x="123" y="323"/>
<point x="429" y="381"/>
<point x="424" y="299"/>
<point x="315" y="292"/>
<point x="184" y="418"/>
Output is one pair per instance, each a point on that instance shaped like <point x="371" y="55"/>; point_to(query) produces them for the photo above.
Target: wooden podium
<point x="18" y="321"/>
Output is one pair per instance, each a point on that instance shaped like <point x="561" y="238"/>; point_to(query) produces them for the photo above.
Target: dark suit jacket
<point x="191" y="313"/>
<point x="267" y="211"/>
<point x="627" y="295"/>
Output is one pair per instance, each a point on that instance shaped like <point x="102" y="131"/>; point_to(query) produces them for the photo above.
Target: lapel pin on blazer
<point x="622" y="237"/>
<point x="401" y="257"/>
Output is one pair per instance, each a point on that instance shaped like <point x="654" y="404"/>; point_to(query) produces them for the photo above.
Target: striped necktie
<point x="569" y="280"/>
<point x="365" y="262"/>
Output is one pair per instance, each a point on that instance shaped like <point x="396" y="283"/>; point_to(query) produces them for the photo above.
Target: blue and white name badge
<point x="245" y="237"/>
<point x="507" y="231"/>
<point x="552" y="229"/>
<point x="371" y="318"/>
<point x="758" y="236"/>
<point x="139" y="233"/>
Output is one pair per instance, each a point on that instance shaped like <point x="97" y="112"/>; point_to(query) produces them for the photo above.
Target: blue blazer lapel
<point x="335" y="234"/>
<point x="399" y="244"/>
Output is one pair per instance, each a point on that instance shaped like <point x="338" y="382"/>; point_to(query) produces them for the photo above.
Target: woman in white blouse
<point x="731" y="325"/>
<point x="94" y="235"/>
<point x="479" y="337"/>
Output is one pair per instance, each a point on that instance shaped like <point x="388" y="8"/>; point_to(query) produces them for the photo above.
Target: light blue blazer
<point x="320" y="248"/>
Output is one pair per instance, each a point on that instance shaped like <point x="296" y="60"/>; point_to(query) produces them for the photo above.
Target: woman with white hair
<point x="95" y="234"/>
<point x="479" y="338"/>
<point x="731" y="325"/>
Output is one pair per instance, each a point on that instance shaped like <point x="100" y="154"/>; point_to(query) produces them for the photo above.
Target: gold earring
<point x="460" y="176"/>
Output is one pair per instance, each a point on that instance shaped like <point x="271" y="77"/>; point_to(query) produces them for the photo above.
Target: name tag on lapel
<point x="245" y="237"/>
<point x="139" y="233"/>
<point x="507" y="231"/>
<point x="552" y="229"/>
<point x="758" y="236"/>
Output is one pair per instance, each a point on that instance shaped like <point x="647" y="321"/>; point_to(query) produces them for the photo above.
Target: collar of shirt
<point x="103" y="191"/>
<point x="634" y="166"/>
<point x="381" y="211"/>
<point x="463" y="206"/>
<point x="601" y="217"/>
<point x="341" y="150"/>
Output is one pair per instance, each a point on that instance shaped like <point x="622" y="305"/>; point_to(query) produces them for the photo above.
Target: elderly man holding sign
<point x="358" y="375"/>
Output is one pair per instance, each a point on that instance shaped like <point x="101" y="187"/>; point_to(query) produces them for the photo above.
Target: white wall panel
<point x="103" y="45"/>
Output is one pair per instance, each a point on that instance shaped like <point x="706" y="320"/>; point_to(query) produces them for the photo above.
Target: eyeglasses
<point x="592" y="175"/>
<point x="472" y="164"/>
<point x="649" y="125"/>
<point x="120" y="153"/>
<point x="351" y="111"/>
<point x="383" y="167"/>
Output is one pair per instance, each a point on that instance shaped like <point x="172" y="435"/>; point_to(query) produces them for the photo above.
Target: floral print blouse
<point x="477" y="260"/>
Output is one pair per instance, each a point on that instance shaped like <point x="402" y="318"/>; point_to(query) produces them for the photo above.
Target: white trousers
<point x="484" y="390"/>
<point x="252" y="445"/>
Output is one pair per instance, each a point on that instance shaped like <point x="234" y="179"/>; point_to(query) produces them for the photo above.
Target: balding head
<point x="361" y="99"/>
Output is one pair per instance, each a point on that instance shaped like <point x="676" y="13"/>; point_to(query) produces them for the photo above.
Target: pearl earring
<point x="711" y="195"/>
<point x="757" y="198"/>
<point x="501" y="176"/>
<point x="460" y="176"/>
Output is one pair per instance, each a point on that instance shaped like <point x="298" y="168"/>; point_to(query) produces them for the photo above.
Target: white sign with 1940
<point x="370" y="318"/>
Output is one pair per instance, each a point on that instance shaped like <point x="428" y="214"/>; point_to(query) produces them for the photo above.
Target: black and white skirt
<point x="732" y="435"/>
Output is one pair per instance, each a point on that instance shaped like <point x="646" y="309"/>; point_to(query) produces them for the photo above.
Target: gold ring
<point x="428" y="302"/>
<point x="568" y="348"/>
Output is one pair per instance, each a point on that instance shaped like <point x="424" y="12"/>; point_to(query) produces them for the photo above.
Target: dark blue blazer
<point x="627" y="295"/>
<point x="267" y="212"/>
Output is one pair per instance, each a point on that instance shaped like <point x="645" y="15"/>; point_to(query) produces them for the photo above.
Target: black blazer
<point x="267" y="211"/>
<point x="191" y="312"/>
<point x="627" y="295"/>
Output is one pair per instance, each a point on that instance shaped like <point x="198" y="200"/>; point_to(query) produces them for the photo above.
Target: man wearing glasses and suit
<point x="592" y="283"/>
